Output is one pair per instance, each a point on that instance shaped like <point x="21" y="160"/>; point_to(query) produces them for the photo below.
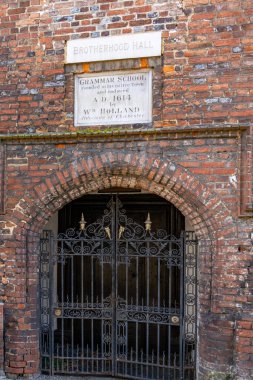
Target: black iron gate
<point x="118" y="299"/>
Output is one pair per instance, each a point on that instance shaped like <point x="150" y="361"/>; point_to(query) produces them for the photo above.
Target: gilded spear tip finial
<point x="148" y="223"/>
<point x="82" y="223"/>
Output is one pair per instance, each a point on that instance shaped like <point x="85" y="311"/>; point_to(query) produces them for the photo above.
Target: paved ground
<point x="44" y="377"/>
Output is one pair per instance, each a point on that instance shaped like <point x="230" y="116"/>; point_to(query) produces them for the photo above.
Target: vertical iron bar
<point x="72" y="305"/>
<point x="67" y="361"/>
<point x="137" y="302"/>
<point x="102" y="306"/>
<point x="152" y="364"/>
<point x="158" y="307"/>
<point x="182" y="291"/>
<point x="170" y="277"/>
<point x="82" y="274"/>
<point x="158" y="280"/>
<point x="196" y="298"/>
<point x="131" y="360"/>
<point x="77" y="357"/>
<point x="51" y="293"/>
<point x="87" y="358"/>
<point x="125" y="349"/>
<point x="169" y="347"/>
<point x="147" y="304"/>
<point x="170" y="308"/>
<point x="57" y="358"/>
<point x="92" y="322"/>
<point x="72" y="342"/>
<point x="114" y="283"/>
<point x="97" y="361"/>
<point x="136" y="323"/>
<point x="92" y="281"/>
<point x="82" y="305"/>
<point x="44" y="298"/>
<point x="141" y="363"/>
<point x="62" y="261"/>
<point x="92" y="344"/>
<point x="72" y="279"/>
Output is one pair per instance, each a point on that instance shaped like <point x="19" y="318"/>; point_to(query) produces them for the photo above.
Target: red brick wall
<point x="244" y="344"/>
<point x="1" y="337"/>
<point x="206" y="63"/>
<point x="197" y="153"/>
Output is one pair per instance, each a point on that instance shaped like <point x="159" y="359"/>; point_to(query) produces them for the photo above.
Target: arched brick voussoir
<point x="157" y="175"/>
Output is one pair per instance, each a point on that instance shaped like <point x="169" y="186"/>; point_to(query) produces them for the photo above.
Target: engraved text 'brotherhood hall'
<point x="114" y="47"/>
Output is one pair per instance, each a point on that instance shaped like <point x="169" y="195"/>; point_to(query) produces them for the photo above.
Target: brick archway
<point x="159" y="176"/>
<point x="172" y="182"/>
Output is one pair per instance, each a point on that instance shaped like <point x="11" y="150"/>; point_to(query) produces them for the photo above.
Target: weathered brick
<point x="202" y="85"/>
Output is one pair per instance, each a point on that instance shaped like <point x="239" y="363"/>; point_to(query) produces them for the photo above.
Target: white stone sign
<point x="114" y="47"/>
<point x="113" y="98"/>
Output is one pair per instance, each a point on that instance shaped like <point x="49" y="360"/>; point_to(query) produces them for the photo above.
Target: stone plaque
<point x="113" y="98"/>
<point x="114" y="47"/>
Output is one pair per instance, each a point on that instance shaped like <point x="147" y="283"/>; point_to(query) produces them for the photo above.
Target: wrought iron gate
<point x="118" y="299"/>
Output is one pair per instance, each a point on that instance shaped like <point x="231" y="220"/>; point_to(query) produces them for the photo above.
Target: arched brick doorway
<point x="157" y="176"/>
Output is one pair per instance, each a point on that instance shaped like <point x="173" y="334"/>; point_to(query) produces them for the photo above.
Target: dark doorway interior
<point x="163" y="214"/>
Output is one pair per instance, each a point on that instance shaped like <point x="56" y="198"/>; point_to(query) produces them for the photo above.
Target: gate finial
<point x="148" y="223"/>
<point x="82" y="223"/>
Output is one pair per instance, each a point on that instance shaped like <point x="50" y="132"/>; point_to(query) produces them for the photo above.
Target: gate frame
<point x="187" y="240"/>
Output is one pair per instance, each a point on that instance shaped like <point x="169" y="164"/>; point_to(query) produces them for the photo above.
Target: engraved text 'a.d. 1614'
<point x="110" y="99"/>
